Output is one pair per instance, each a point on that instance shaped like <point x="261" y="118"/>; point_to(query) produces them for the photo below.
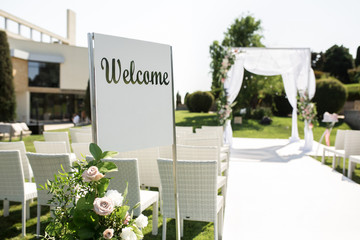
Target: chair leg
<point x="334" y="161"/>
<point x="164" y="229"/>
<point x="344" y="166"/>
<point x="6" y="207"/>
<point x="220" y="222"/>
<point x="27" y="209"/>
<point x="38" y="220"/>
<point x="182" y="227"/>
<point x="155" y="218"/>
<point x="323" y="157"/>
<point x="23" y="218"/>
<point x="216" y="229"/>
<point x="350" y="169"/>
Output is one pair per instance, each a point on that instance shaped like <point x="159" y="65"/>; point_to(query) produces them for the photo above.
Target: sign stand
<point x="95" y="127"/>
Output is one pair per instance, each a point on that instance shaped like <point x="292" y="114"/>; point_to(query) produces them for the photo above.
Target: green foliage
<point x="330" y="96"/>
<point x="357" y="59"/>
<point x="354" y="75"/>
<point x="242" y="33"/>
<point x="281" y="105"/>
<point x="317" y="61"/>
<point x="256" y="88"/>
<point x="353" y="91"/>
<point x="87" y="102"/>
<point x="78" y="196"/>
<point x="199" y="101"/>
<point x="7" y="92"/>
<point x="338" y="61"/>
<point x="260" y="112"/>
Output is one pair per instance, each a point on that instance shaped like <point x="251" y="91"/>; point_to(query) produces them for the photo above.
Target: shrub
<point x="281" y="105"/>
<point x="187" y="101"/>
<point x="318" y="74"/>
<point x="330" y="96"/>
<point x="353" y="91"/>
<point x="7" y="92"/>
<point x="260" y="112"/>
<point x="354" y="75"/>
<point x="200" y="101"/>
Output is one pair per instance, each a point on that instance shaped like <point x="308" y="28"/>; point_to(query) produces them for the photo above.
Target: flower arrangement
<point x="307" y="109"/>
<point x="85" y="209"/>
<point x="224" y="109"/>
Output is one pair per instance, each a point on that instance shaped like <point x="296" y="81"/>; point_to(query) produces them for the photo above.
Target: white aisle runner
<point x="275" y="192"/>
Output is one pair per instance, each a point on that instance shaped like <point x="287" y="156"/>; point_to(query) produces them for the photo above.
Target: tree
<point x="357" y="59"/>
<point x="242" y="33"/>
<point x="317" y="61"/>
<point x="338" y="61"/>
<point x="7" y="92"/>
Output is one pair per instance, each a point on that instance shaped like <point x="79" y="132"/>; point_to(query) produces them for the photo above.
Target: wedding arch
<point x="293" y="64"/>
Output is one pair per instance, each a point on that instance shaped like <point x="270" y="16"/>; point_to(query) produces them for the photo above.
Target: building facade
<point x="50" y="78"/>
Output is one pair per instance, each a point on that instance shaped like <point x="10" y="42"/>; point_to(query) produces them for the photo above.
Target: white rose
<point x="128" y="234"/>
<point x="92" y="174"/>
<point x="103" y="206"/>
<point x="115" y="196"/>
<point x="141" y="221"/>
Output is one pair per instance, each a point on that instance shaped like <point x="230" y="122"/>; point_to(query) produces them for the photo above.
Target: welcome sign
<point x="133" y="93"/>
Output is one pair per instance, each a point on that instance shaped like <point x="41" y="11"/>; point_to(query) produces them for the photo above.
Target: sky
<point x="190" y="26"/>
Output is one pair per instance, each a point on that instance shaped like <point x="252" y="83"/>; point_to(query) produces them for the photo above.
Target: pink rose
<point x="311" y="125"/>
<point x="103" y="206"/>
<point x="92" y="174"/>
<point x="127" y="219"/>
<point x="108" y="233"/>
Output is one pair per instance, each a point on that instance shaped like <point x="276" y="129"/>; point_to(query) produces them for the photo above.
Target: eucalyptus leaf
<point x="108" y="167"/>
<point x="95" y="151"/>
<point x="108" y="154"/>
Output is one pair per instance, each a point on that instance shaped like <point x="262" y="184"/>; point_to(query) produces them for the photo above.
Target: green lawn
<point x="280" y="128"/>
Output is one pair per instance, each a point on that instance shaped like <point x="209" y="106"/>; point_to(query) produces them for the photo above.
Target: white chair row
<point x="347" y="145"/>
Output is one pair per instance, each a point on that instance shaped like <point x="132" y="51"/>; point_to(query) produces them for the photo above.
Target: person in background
<point x="76" y="119"/>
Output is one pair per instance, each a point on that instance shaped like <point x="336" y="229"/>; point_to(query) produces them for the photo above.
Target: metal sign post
<point x="92" y="86"/>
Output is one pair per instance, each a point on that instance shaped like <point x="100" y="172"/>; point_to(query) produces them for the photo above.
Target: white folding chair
<point x="58" y="137"/>
<point x="339" y="144"/>
<point x="82" y="137"/>
<point x="50" y="147"/>
<point x="128" y="174"/>
<point x="353" y="160"/>
<point x="45" y="166"/>
<point x="351" y="147"/>
<point x="28" y="173"/>
<point x="73" y="132"/>
<point x="81" y="149"/>
<point x="197" y="191"/>
<point x="13" y="186"/>
<point x="147" y="163"/>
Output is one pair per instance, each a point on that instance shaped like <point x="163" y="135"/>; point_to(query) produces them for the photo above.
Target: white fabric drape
<point x="292" y="64"/>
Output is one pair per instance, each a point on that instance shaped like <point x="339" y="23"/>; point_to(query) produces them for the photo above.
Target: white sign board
<point x="134" y="93"/>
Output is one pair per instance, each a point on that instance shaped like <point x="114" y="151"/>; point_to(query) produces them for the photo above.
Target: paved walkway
<point x="277" y="192"/>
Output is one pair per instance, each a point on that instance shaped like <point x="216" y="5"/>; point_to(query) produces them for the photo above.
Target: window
<point x="44" y="74"/>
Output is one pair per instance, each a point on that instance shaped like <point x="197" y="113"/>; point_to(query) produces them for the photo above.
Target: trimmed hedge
<point x="330" y="96"/>
<point x="199" y="101"/>
<point x="353" y="91"/>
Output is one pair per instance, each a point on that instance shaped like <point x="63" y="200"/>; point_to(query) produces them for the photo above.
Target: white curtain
<point x="292" y="64"/>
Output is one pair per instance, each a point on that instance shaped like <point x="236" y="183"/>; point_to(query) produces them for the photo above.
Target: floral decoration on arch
<point x="307" y="109"/>
<point x="224" y="108"/>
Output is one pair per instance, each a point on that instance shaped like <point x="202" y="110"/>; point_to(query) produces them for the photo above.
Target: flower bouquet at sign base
<point x="85" y="209"/>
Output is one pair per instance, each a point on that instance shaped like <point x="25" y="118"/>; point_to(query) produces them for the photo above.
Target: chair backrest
<point x="187" y="152"/>
<point x="82" y="137"/>
<point x="50" y="147"/>
<point x="28" y="173"/>
<point x="58" y="137"/>
<point x="78" y="130"/>
<point x="197" y="189"/>
<point x="200" y="141"/>
<point x="218" y="130"/>
<point x="147" y="163"/>
<point x="352" y="142"/>
<point x="81" y="149"/>
<point x="127" y="174"/>
<point x="45" y="166"/>
<point x="339" y="139"/>
<point x="183" y="129"/>
<point x="11" y="176"/>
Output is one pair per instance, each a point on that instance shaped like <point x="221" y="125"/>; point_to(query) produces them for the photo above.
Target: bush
<point x="354" y="75"/>
<point x="200" y="101"/>
<point x="330" y="96"/>
<point x="353" y="91"/>
<point x="260" y="113"/>
<point x="281" y="106"/>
